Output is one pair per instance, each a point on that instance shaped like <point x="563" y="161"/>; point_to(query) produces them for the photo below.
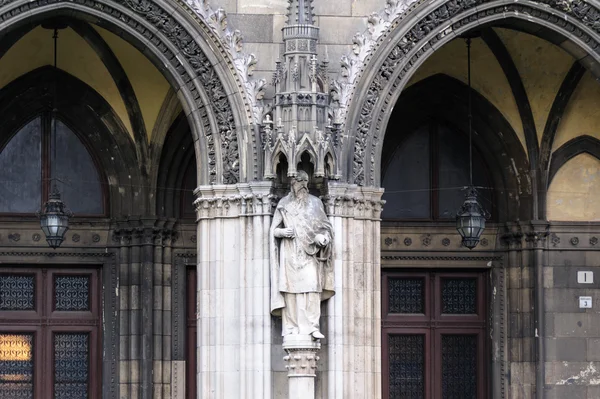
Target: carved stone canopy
<point x="300" y="122"/>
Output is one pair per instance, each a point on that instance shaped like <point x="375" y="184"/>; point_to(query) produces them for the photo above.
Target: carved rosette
<point x="301" y="362"/>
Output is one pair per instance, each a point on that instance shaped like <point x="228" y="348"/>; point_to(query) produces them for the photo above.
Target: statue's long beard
<point x="302" y="195"/>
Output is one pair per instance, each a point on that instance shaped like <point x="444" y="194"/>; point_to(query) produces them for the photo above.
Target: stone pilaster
<point x="123" y="239"/>
<point x="353" y="317"/>
<point x="144" y="291"/>
<point x="536" y="235"/>
<point x="234" y="322"/>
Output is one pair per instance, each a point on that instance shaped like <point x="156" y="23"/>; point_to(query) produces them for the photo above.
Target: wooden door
<point x="434" y="326"/>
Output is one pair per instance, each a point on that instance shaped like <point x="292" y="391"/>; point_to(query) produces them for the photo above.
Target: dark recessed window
<point x="33" y="157"/>
<point x="423" y="178"/>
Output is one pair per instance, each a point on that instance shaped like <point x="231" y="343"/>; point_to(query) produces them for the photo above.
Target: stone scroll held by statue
<point x="301" y="247"/>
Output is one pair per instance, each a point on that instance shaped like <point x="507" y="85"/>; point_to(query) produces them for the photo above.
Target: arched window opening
<point x="32" y="160"/>
<point x="306" y="164"/>
<point x="424" y="176"/>
<point x="281" y="171"/>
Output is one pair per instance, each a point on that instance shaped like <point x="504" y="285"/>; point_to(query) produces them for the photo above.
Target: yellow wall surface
<point x="486" y="76"/>
<point x="574" y="194"/>
<point x="542" y="67"/>
<point x="148" y="83"/>
<point x="582" y="114"/>
<point x="75" y="57"/>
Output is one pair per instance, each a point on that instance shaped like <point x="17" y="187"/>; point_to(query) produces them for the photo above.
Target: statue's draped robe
<point x="299" y="265"/>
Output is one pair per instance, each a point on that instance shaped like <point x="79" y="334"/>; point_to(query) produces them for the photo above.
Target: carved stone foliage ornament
<point x="362" y="45"/>
<point x="188" y="50"/>
<point x="232" y="39"/>
<point x="419" y="41"/>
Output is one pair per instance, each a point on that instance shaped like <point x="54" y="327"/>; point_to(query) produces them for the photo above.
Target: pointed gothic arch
<point x="181" y="46"/>
<point x="80" y="106"/>
<point x="426" y="26"/>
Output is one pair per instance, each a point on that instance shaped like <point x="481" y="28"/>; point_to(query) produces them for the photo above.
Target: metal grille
<point x="459" y="367"/>
<point x="406" y="295"/>
<point x="459" y="296"/>
<point x="17" y="292"/>
<point x="72" y="293"/>
<point x="16" y="366"/>
<point x="71" y="371"/>
<point x="407" y="366"/>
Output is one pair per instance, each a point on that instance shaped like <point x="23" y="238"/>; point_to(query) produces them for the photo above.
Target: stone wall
<point x="572" y="336"/>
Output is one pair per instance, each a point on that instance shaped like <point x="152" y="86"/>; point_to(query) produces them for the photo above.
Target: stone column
<point x="234" y="323"/>
<point x="145" y="306"/>
<point x="301" y="364"/>
<point x="519" y="309"/>
<point x="122" y="237"/>
<point x="536" y="238"/>
<point x="352" y="349"/>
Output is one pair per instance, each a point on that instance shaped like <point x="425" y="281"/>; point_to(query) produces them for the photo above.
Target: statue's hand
<point x="287" y="232"/>
<point x="321" y="240"/>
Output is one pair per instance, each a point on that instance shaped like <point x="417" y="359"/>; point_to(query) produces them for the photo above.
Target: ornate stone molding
<point x="233" y="40"/>
<point x="579" y="18"/>
<point x="233" y="201"/>
<point x="513" y="237"/>
<point x="147" y="231"/>
<point x="348" y="200"/>
<point x="363" y="45"/>
<point x="301" y="362"/>
<point x="442" y="258"/>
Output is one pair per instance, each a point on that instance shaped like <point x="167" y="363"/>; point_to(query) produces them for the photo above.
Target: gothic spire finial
<point x="300" y="12"/>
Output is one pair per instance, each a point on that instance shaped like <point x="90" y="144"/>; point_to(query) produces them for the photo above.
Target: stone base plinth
<point x="302" y="356"/>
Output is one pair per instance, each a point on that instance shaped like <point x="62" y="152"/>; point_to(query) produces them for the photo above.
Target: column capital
<point x="351" y="200"/>
<point x="227" y="201"/>
<point x="302" y="355"/>
<point x="536" y="233"/>
<point x="513" y="235"/>
<point x="148" y="229"/>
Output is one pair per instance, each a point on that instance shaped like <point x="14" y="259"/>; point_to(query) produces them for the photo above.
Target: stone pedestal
<point x="301" y="364"/>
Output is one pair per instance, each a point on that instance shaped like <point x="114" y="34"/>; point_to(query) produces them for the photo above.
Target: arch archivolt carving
<point x="412" y="37"/>
<point x="206" y="87"/>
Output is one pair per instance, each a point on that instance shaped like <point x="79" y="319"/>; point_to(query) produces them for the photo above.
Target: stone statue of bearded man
<point x="301" y="265"/>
